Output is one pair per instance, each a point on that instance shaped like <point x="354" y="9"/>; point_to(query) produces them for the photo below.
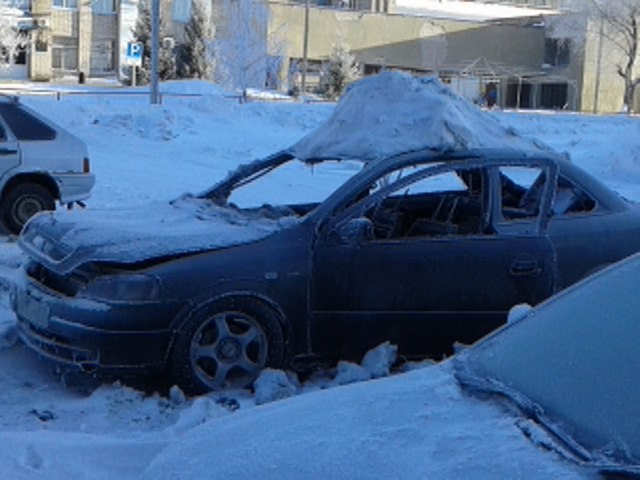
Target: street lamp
<point x="305" y="47"/>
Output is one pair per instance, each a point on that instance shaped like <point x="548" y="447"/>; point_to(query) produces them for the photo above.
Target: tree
<point x="12" y="41"/>
<point x="193" y="54"/>
<point x="241" y="45"/>
<point x="142" y="34"/>
<point x="620" y="25"/>
<point x="339" y="71"/>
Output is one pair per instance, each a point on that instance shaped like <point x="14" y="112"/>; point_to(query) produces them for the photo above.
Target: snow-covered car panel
<point x="65" y="241"/>
<point x="571" y="364"/>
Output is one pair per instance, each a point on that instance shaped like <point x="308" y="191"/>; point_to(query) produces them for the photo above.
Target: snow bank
<point x="392" y="113"/>
<point x="416" y="425"/>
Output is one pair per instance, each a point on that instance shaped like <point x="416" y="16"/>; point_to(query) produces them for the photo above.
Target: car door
<point x="441" y="273"/>
<point x="9" y="150"/>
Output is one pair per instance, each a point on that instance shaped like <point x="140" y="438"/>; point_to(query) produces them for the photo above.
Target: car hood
<point x="64" y="240"/>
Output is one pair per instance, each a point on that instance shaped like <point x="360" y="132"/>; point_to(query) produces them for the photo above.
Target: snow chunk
<point x="518" y="312"/>
<point x="392" y="113"/>
<point x="176" y="395"/>
<point x="273" y="385"/>
<point x="378" y="361"/>
<point x="349" y="372"/>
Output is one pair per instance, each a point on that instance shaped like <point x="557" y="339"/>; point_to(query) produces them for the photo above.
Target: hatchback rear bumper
<point x="74" y="187"/>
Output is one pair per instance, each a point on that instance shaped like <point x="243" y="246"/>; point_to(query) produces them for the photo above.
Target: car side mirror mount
<point x="355" y="230"/>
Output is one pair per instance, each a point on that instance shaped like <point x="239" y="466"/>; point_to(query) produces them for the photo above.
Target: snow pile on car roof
<point x="393" y="113"/>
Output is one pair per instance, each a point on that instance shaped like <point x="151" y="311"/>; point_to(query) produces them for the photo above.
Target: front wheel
<point x="22" y="202"/>
<point x="226" y="344"/>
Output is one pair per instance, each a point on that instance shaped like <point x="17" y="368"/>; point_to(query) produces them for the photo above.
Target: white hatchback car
<point x="40" y="163"/>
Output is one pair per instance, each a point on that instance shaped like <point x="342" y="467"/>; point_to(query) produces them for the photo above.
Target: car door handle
<point x="529" y="268"/>
<point x="7" y="151"/>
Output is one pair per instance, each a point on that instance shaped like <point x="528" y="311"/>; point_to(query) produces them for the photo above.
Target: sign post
<point x="134" y="58"/>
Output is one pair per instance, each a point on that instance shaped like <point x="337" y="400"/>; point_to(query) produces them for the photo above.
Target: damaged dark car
<point x="422" y="249"/>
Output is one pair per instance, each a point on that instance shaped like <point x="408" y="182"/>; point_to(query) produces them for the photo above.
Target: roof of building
<point x="467" y="11"/>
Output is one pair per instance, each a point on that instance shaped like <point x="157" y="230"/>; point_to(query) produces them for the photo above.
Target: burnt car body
<point x="422" y="249"/>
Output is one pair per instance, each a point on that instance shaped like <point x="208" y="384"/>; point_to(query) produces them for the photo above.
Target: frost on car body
<point x="572" y="365"/>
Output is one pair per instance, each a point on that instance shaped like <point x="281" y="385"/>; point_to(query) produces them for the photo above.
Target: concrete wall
<point x="405" y="41"/>
<point x="603" y="88"/>
<point x="40" y="55"/>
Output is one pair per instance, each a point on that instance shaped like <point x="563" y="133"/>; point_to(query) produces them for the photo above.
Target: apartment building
<point x="74" y="39"/>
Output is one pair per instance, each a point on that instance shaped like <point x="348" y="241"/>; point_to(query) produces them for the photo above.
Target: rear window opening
<point x="24" y="125"/>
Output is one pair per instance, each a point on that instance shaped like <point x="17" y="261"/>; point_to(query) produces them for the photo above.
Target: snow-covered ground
<point x="419" y="424"/>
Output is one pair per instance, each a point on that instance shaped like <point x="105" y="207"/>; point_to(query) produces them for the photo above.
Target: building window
<point x="103" y="6"/>
<point x="65" y="54"/>
<point x="181" y="11"/>
<point x="102" y="57"/>
<point x="556" y="52"/>
<point x="65" y="3"/>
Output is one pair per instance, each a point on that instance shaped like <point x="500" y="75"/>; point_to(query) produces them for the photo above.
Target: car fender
<point x="23" y="175"/>
<point x="248" y="289"/>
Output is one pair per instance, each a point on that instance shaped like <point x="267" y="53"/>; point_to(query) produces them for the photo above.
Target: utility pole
<point x="305" y="48"/>
<point x="596" y="96"/>
<point x="155" y="45"/>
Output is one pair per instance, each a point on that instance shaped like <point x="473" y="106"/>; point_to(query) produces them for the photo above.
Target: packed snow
<point x="354" y="421"/>
<point x="394" y="113"/>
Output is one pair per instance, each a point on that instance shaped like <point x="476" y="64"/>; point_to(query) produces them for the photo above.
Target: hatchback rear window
<point x="24" y="125"/>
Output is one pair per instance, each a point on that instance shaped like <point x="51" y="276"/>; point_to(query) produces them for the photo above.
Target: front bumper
<point x="74" y="187"/>
<point x="124" y="339"/>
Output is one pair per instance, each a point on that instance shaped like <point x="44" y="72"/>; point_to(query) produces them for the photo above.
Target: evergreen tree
<point x="142" y="34"/>
<point x="339" y="71"/>
<point x="193" y="59"/>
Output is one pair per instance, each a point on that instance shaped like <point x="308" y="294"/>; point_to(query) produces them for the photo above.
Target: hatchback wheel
<point x="226" y="345"/>
<point x="23" y="202"/>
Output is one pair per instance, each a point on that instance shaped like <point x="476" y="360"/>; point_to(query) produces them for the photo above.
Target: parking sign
<point x="134" y="54"/>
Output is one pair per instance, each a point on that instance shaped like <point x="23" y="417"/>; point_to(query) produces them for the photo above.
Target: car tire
<point x="226" y="344"/>
<point x="22" y="202"/>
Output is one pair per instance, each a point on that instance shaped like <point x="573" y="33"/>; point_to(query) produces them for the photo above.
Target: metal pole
<point x="596" y="96"/>
<point x="155" y="44"/>
<point x="305" y="48"/>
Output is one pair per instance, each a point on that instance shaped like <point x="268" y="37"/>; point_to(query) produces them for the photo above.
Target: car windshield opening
<point x="292" y="187"/>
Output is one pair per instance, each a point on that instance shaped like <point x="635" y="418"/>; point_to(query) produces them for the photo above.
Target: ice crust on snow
<point x="393" y="113"/>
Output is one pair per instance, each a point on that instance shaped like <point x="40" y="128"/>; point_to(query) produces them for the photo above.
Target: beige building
<point x="535" y="53"/>
<point x="520" y="56"/>
<point x="69" y="38"/>
<point x="491" y="54"/>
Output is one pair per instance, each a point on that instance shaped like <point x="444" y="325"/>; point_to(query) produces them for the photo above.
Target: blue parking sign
<point x="134" y="53"/>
